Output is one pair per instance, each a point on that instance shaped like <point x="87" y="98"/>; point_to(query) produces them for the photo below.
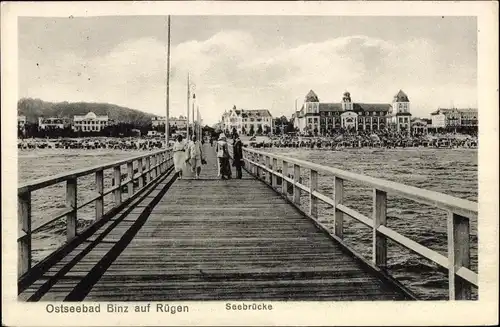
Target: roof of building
<point x="330" y="107"/>
<point x="356" y="107"/>
<point x="372" y="106"/>
<point x="311" y="97"/>
<point x="401" y="97"/>
<point x="258" y="112"/>
<point x="456" y="110"/>
<point x="468" y="110"/>
<point x="91" y="115"/>
<point x="249" y="113"/>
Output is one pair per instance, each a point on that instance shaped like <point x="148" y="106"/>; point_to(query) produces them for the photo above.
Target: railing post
<point x="284" y="183"/>
<point x="148" y="173"/>
<point x="458" y="255"/>
<point x="161" y="162"/>
<point x="24" y="221"/>
<point x="118" y="184"/>
<point x="296" y="179"/>
<point x="99" y="203"/>
<point x="139" y="170"/>
<point x="267" y="163"/>
<point x="130" y="173"/>
<point x="152" y="167"/>
<point x="338" y="197"/>
<point x="313" y="201"/>
<point x="158" y="165"/>
<point x="379" y="219"/>
<point x="71" y="196"/>
<point x="275" y="170"/>
<point x="165" y="161"/>
<point x="255" y="169"/>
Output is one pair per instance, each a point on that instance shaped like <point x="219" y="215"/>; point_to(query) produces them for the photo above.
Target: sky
<point x="253" y="62"/>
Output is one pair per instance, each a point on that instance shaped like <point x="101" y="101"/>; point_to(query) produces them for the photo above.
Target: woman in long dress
<point x="179" y="155"/>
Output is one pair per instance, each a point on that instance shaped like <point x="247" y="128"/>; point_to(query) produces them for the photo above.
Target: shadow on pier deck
<point x="207" y="239"/>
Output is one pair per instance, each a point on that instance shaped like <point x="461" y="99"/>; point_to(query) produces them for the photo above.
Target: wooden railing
<point x="150" y="167"/>
<point x="459" y="211"/>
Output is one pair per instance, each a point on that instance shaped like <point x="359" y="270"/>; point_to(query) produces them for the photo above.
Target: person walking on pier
<point x="179" y="155"/>
<point x="223" y="157"/>
<point x="195" y="156"/>
<point x="238" y="156"/>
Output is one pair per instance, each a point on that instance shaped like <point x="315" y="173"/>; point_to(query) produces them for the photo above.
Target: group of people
<point x="192" y="154"/>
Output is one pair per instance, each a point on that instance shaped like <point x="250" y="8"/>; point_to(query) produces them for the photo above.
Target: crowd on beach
<point x="92" y="143"/>
<point x="381" y="139"/>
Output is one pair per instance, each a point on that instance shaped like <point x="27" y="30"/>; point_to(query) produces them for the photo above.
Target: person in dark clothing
<point x="238" y="157"/>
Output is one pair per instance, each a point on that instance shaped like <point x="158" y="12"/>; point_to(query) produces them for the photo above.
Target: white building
<point x="402" y="119"/>
<point x="158" y="121"/>
<point x="179" y="123"/>
<point x="246" y="121"/>
<point x="90" y="122"/>
<point x="323" y="118"/>
<point x="438" y="120"/>
<point x="51" y="122"/>
<point x="454" y="117"/>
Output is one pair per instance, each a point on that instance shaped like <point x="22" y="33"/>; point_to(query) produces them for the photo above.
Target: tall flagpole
<point x="167" y="118"/>
<point x="199" y="123"/>
<point x="188" y="98"/>
<point x="194" y="100"/>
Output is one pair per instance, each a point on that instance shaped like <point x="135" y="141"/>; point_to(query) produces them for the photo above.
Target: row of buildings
<point x="323" y="118"/>
<point x="92" y="122"/>
<point x="84" y="123"/>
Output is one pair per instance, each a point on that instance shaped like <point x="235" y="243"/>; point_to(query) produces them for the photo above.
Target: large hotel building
<point x="324" y="118"/>
<point x="246" y="120"/>
<point x="90" y="122"/>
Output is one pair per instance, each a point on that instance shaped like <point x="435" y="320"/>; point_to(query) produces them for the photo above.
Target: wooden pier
<point x="212" y="239"/>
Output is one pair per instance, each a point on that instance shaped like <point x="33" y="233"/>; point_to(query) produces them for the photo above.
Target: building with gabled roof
<point x="244" y="121"/>
<point x="324" y="118"/>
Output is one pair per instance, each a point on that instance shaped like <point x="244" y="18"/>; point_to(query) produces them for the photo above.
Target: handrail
<point x="51" y="180"/>
<point x="432" y="198"/>
<point x="264" y="166"/>
<point x="150" y="167"/>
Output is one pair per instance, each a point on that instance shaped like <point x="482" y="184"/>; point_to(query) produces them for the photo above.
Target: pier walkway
<point x="207" y="239"/>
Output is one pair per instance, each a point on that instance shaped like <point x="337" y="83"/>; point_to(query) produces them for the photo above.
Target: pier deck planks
<point x="210" y="239"/>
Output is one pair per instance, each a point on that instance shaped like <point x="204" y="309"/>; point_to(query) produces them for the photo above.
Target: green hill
<point x="34" y="108"/>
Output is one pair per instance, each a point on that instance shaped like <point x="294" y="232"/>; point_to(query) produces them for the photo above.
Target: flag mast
<point x="188" y="97"/>
<point x="193" y="118"/>
<point x="167" y="129"/>
<point x="198" y="130"/>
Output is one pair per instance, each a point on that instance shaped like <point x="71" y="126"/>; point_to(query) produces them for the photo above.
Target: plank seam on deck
<point x="383" y="277"/>
<point x="43" y="289"/>
<point x="81" y="290"/>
